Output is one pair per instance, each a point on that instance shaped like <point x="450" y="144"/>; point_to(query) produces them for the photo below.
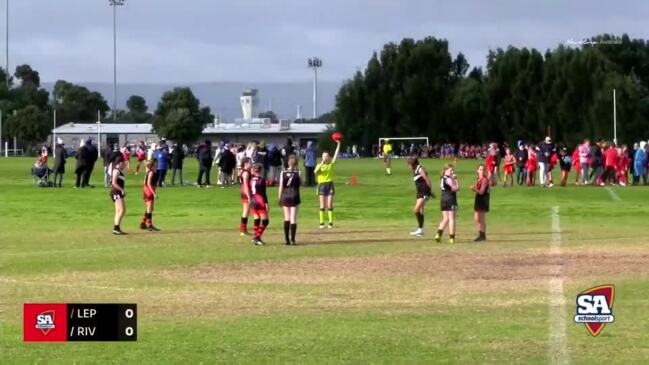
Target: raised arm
<point x="336" y="152"/>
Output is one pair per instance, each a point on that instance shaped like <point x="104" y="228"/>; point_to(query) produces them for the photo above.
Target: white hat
<point x="548" y="139"/>
<point x="59" y="140"/>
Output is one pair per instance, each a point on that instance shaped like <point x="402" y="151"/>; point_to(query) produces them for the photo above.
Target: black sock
<point x="452" y="236"/>
<point x="287" y="225"/>
<point x="116" y="228"/>
<point x="483" y="234"/>
<point x="293" y="231"/>
<point x="440" y="232"/>
<point x="244" y="220"/>
<point x="420" y="220"/>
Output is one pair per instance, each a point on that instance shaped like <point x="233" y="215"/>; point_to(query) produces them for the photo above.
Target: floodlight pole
<point x="614" y="119"/>
<point x="115" y="4"/>
<point x="7" y="44"/>
<point x="54" y="136"/>
<point x="315" y="63"/>
<point x="98" y="134"/>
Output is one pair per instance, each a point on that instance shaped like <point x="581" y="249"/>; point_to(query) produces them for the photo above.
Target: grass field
<point x="364" y="292"/>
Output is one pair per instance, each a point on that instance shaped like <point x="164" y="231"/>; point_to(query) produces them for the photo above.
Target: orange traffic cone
<point x="354" y="179"/>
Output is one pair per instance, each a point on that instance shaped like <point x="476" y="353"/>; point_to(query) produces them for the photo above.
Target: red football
<point x="337" y="136"/>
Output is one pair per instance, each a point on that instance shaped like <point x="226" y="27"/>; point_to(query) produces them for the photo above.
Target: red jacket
<point x="611" y="157"/>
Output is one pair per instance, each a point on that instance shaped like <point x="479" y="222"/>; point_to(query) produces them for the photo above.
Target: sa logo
<point x="595" y="308"/>
<point x="45" y="321"/>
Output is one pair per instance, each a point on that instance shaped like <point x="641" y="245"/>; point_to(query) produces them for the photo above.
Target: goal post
<point x="425" y="140"/>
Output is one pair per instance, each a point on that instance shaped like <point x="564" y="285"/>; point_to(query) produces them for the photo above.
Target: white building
<point x="242" y="131"/>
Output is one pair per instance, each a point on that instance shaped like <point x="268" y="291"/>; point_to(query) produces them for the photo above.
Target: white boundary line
<point x="613" y="194"/>
<point x="64" y="285"/>
<point x="558" y="349"/>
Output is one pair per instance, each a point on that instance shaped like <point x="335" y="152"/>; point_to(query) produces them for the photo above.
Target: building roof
<point x="229" y="128"/>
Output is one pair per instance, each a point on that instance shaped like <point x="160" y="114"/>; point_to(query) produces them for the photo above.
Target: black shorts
<point x="291" y="200"/>
<point x="326" y="189"/>
<point x="448" y="204"/>
<point x="116" y="195"/>
<point x="424" y="194"/>
<point x="481" y="203"/>
<point x="387" y="157"/>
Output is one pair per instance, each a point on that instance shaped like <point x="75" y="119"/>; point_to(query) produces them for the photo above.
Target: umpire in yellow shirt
<point x="324" y="173"/>
<point x="387" y="156"/>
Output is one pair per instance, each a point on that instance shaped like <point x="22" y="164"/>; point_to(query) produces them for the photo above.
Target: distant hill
<point x="223" y="97"/>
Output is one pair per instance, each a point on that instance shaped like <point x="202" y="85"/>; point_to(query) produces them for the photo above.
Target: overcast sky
<point x="270" y="40"/>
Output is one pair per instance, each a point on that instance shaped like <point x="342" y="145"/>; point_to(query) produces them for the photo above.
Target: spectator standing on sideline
<point x="162" y="155"/>
<point x="287" y="152"/>
<point x="584" y="161"/>
<point x="204" y="155"/>
<point x="227" y="163"/>
<point x="596" y="163"/>
<point x="275" y="157"/>
<point x="640" y="164"/>
<point x="177" y="157"/>
<point x="546" y="150"/>
<point x="82" y="163"/>
<point x="262" y="158"/>
<point x="93" y="156"/>
<point x="309" y="163"/>
<point x="106" y="156"/>
<point x="59" y="162"/>
<point x="521" y="162"/>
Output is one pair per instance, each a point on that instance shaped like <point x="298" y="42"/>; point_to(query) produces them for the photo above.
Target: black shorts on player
<point x="326" y="189"/>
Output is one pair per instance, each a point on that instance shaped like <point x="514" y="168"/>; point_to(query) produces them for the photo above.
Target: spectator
<point x="545" y="151"/>
<point x="585" y="160"/>
<point x="262" y="158"/>
<point x="177" y="157"/>
<point x="596" y="163"/>
<point x="275" y="157"/>
<point x="227" y="163"/>
<point x="521" y="161"/>
<point x="82" y="164"/>
<point x="640" y="164"/>
<point x="162" y="155"/>
<point x="59" y="162"/>
<point x="204" y="156"/>
<point x="286" y="152"/>
<point x="309" y="163"/>
<point x="92" y="157"/>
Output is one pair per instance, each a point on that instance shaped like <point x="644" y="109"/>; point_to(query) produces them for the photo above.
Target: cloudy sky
<point x="269" y="40"/>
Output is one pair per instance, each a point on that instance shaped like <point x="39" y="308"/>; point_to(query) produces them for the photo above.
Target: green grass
<point x="364" y="292"/>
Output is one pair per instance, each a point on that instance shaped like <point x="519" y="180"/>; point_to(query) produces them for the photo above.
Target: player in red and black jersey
<point x="258" y="203"/>
<point x="149" y="194"/>
<point x="289" y="198"/>
<point x="117" y="190"/>
<point x="244" y="182"/>
<point x="481" y="204"/>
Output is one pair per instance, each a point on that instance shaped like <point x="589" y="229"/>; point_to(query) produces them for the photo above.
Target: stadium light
<point x="115" y="4"/>
<point x="7" y="44"/>
<point x="315" y="63"/>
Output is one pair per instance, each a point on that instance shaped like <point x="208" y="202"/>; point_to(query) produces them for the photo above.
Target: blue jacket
<point x="639" y="162"/>
<point x="163" y="159"/>
<point x="310" y="157"/>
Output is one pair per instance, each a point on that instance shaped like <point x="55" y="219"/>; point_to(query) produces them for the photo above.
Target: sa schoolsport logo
<point x="595" y="308"/>
<point x="45" y="321"/>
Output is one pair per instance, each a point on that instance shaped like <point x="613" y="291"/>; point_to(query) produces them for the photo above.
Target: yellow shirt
<point x="387" y="148"/>
<point x="325" y="173"/>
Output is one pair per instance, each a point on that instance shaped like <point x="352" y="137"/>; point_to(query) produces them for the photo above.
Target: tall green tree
<point x="138" y="111"/>
<point x="179" y="116"/>
<point x="30" y="125"/>
<point x="75" y="103"/>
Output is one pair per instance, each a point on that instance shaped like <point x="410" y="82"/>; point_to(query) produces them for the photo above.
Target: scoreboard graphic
<point x="79" y="322"/>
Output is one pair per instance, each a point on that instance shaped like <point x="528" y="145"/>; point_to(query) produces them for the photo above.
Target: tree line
<point x="416" y="88"/>
<point x="28" y="109"/>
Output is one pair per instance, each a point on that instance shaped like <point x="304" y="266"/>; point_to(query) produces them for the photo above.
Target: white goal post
<point x="380" y="145"/>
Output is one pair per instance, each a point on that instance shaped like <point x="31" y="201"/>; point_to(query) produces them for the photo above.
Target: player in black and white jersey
<point x="117" y="192"/>
<point x="289" y="198"/>
<point x="422" y="186"/>
<point x="448" y="202"/>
